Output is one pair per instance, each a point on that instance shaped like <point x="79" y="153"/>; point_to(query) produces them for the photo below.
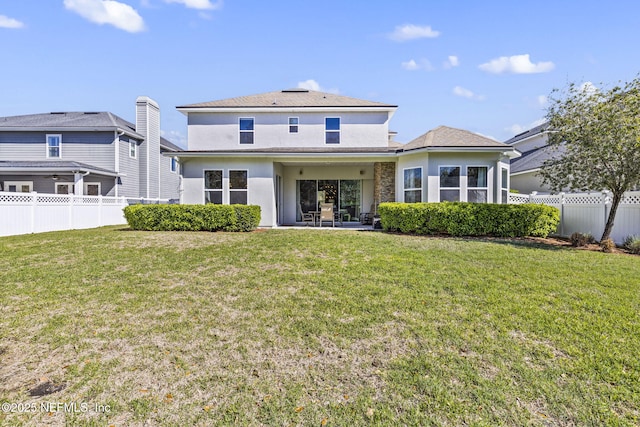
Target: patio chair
<point x="307" y="217"/>
<point x="337" y="215"/>
<point x="367" y="217"/>
<point x="327" y="214"/>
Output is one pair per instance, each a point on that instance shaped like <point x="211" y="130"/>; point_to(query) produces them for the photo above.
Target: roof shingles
<point x="290" y="98"/>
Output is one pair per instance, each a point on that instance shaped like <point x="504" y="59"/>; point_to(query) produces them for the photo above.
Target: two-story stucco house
<point x="91" y="153"/>
<point x="287" y="151"/>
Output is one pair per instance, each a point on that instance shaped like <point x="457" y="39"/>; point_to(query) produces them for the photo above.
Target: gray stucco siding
<point x="211" y="131"/>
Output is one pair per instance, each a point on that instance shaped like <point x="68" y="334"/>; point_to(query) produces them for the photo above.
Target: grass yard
<point x="314" y="328"/>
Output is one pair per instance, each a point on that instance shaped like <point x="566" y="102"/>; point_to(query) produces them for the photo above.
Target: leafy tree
<point x="596" y="138"/>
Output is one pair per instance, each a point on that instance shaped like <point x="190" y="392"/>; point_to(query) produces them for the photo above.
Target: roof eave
<point x="263" y="154"/>
<point x="190" y="109"/>
<point x="127" y="132"/>
<point x="507" y="151"/>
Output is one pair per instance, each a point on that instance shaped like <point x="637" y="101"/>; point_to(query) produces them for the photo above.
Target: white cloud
<point x="110" y="12"/>
<point x="516" y="64"/>
<point x="542" y="100"/>
<point x="6" y="22"/>
<point x="588" y="88"/>
<point x="406" y="32"/>
<point x="452" y="61"/>
<point x="175" y="136"/>
<point x="516" y="129"/>
<point x="466" y="93"/>
<point x="314" y="85"/>
<point x="198" y="4"/>
<point x="412" y="65"/>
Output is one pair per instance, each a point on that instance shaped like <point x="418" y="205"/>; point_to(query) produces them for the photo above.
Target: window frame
<point x="504" y="185"/>
<point x="48" y="145"/>
<point x="133" y="149"/>
<point x="295" y="125"/>
<point x="71" y="186"/>
<point x="239" y="190"/>
<point x="247" y="131"/>
<point x="173" y="164"/>
<point x="412" y="189"/>
<point x="216" y="190"/>
<point x="486" y="178"/>
<point x="85" y="188"/>
<point x="328" y="131"/>
<point x="18" y="184"/>
<point x="441" y="188"/>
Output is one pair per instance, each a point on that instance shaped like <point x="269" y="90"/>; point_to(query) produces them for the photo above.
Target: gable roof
<point x="528" y="134"/>
<point x="101" y="120"/>
<point x="75" y="121"/>
<point x="289" y="98"/>
<point x="48" y="166"/>
<point x="534" y="159"/>
<point x="448" y="137"/>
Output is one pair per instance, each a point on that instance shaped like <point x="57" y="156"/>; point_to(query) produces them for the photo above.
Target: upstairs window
<point x="293" y="124"/>
<point x="246" y="130"/>
<point x="332" y="130"/>
<point x="174" y="164"/>
<point x="413" y="185"/>
<point x="133" y="149"/>
<point x="477" y="184"/>
<point x="54" y="146"/>
<point x="449" y="183"/>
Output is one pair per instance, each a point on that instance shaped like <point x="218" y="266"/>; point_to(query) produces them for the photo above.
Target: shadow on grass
<point x="550" y="244"/>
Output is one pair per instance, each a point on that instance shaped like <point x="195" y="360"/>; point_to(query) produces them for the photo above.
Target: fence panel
<point x="588" y="212"/>
<point x="23" y="213"/>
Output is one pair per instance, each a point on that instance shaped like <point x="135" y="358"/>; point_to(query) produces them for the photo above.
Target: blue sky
<point x="485" y="66"/>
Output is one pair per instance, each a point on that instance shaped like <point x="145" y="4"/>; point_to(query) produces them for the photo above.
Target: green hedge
<point x="207" y="217"/>
<point x="470" y="219"/>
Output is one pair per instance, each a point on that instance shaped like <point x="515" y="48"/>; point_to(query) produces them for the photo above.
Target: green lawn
<point x="316" y="327"/>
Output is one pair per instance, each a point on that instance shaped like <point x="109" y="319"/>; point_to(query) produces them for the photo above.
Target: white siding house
<point x="287" y="151"/>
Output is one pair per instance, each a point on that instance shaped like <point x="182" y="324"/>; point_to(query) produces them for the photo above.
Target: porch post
<point x="78" y="181"/>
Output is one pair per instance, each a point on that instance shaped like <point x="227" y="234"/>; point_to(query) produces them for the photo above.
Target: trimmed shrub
<point x="207" y="217"/>
<point x="632" y="244"/>
<point x="470" y="219"/>
<point x="579" y="240"/>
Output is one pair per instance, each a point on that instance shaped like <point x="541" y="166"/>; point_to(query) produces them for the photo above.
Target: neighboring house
<point x="91" y="153"/>
<point x="288" y="151"/>
<point x="535" y="151"/>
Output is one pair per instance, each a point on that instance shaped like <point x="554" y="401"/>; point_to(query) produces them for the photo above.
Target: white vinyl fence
<point x="588" y="212"/>
<point x="24" y="213"/>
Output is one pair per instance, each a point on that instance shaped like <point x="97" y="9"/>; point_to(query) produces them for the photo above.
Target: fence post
<point x="34" y="202"/>
<point x="100" y="210"/>
<point x="562" y="200"/>
<point x="70" y="196"/>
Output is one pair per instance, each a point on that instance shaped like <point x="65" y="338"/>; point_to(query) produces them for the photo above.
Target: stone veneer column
<point x="384" y="182"/>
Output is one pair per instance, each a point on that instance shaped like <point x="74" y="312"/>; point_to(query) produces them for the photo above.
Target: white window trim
<point x="204" y="180"/>
<point x="173" y="161"/>
<point x="59" y="136"/>
<point x="459" y="187"/>
<point x="87" y="184"/>
<point x="339" y="131"/>
<point x="18" y="184"/>
<point x="70" y="184"/>
<point x="240" y="131"/>
<point x="297" y="125"/>
<point x="477" y="188"/>
<point x="229" y="190"/>
<point x="504" y="186"/>
<point x="133" y="144"/>
<point x="413" y="189"/>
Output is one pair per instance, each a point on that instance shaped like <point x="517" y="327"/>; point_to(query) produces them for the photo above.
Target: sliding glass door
<point x="344" y="195"/>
